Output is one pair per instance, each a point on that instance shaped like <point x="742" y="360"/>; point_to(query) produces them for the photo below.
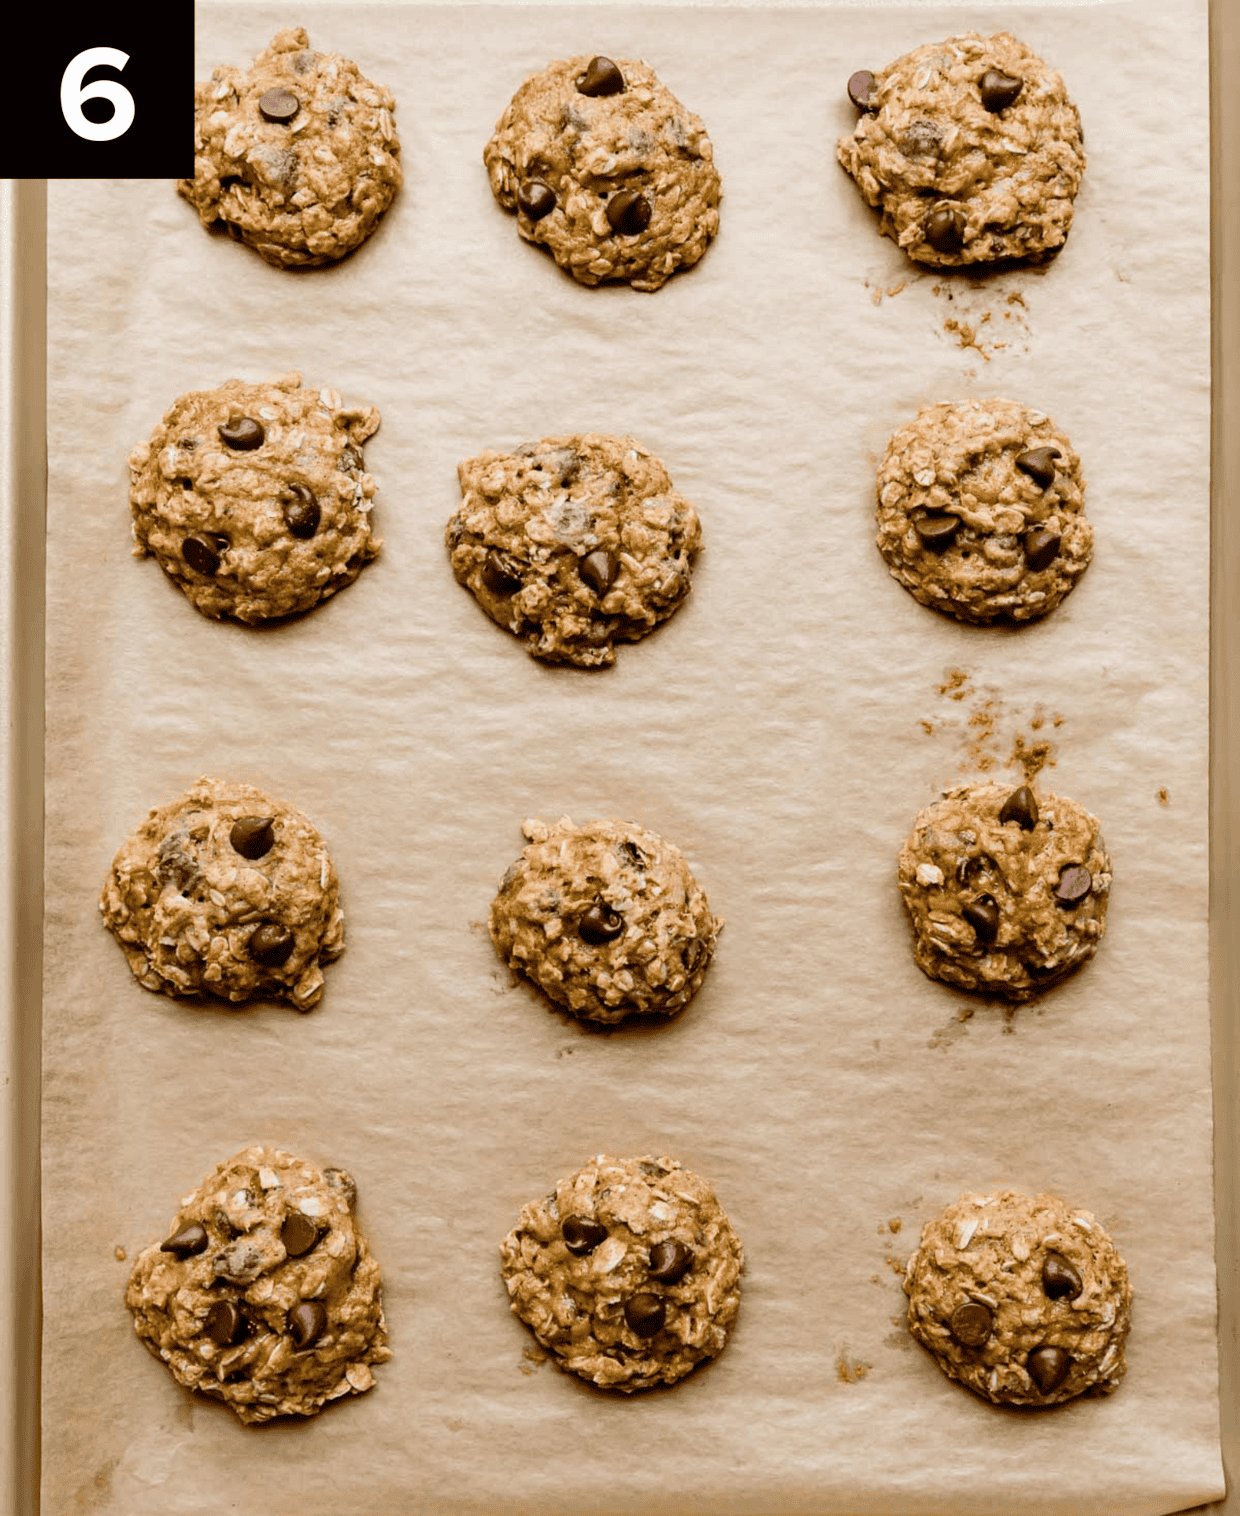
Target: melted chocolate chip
<point x="598" y="570"/>
<point x="253" y="836"/>
<point x="501" y="573"/>
<point x="225" y="1325"/>
<point x="600" y="924"/>
<point x="535" y="199"/>
<point x="670" y="1261"/>
<point x="971" y="1323"/>
<point x="581" y="1235"/>
<point x="190" y="1240"/>
<point x="244" y="434"/>
<point x="998" y="90"/>
<point x="862" y="88"/>
<point x="1075" y="883"/>
<point x="944" y="228"/>
<point x="645" y="1314"/>
<point x="982" y="915"/>
<point x="1060" y="1279"/>
<point x="279" y="105"/>
<point x="1041" y="548"/>
<point x="1039" y="464"/>
<point x="301" y="511"/>
<point x="271" y="944"/>
<point x="937" y="532"/>
<point x="307" y="1321"/>
<point x="298" y="1234"/>
<point x="628" y="213"/>
<point x="1020" y="807"/>
<point x="201" y="555"/>
<point x="601" y="77"/>
<point x="1048" y="1367"/>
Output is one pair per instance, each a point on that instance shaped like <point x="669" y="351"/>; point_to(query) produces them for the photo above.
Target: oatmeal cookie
<point x="299" y="157"/>
<point x="604" y="167"/>
<point x="606" y="919"/>
<point x="229" y="893"/>
<point x="574" y="544"/>
<point x="253" y="498"/>
<point x="970" y="150"/>
<point x="628" y="1273"/>
<point x="265" y="1294"/>
<point x="981" y="511"/>
<point x="1006" y="892"/>
<point x="1024" y="1301"/>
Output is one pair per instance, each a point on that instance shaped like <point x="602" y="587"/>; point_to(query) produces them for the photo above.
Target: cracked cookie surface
<point x="298" y="157"/>
<point x="1024" y="1300"/>
<point x="253" y="498"/>
<point x="265" y="1294"/>
<point x="1006" y="892"/>
<point x="606" y="919"/>
<point x="228" y="893"/>
<point x="628" y="1273"/>
<point x="603" y="166"/>
<point x="970" y="149"/>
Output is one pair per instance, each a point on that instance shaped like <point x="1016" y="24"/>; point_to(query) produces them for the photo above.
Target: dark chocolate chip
<point x="645" y="1314"/>
<point x="670" y="1261"/>
<point x="244" y="434"/>
<point x="1075" y="883"/>
<point x="944" y="228"/>
<point x="298" y="1234"/>
<point x="190" y="1240"/>
<point x="598" y="570"/>
<point x="1048" y="1367"/>
<point x="937" y="532"/>
<point x="271" y="944"/>
<point x="253" y="836"/>
<point x="971" y="1323"/>
<point x="1039" y="464"/>
<point x="535" y="199"/>
<point x="200" y="554"/>
<point x="225" y="1325"/>
<point x="862" y="87"/>
<point x="982" y="915"/>
<point x="301" y="511"/>
<point x="307" y="1321"/>
<point x="628" y="212"/>
<point x="601" y="77"/>
<point x="1020" y="807"/>
<point x="998" y="89"/>
<point x="1041" y="547"/>
<point x="501" y="573"/>
<point x="581" y="1235"/>
<point x="1060" y="1279"/>
<point x="279" y="105"/>
<point x="600" y="924"/>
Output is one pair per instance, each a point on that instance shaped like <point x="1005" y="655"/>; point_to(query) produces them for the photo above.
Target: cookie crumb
<point x="1031" y="757"/>
<point x="851" y="1371"/>
<point x="955" y="687"/>
<point x="119" y="1254"/>
<point x="894" y="1224"/>
<point x="1164" y="796"/>
<point x="927" y="727"/>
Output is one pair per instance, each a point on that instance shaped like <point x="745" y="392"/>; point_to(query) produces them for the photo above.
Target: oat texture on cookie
<point x="970" y="150"/>
<point x="264" y="1294"/>
<point x="574" y="544"/>
<point x="607" y="919"/>
<point x="254" y="499"/>
<point x="628" y="1273"/>
<point x="604" y="167"/>
<point x="1022" y="1299"/>
<point x="981" y="511"/>
<point x="227" y="893"/>
<point x="1006" y="891"/>
<point x="298" y="157"/>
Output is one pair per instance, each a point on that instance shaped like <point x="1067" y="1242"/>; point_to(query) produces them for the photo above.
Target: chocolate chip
<point x="279" y="105"/>
<point x="1060" y="1279"/>
<point x="971" y="1323"/>
<point x="535" y="199"/>
<point x="862" y="87"/>
<point x="244" y="434"/>
<point x="307" y="1321"/>
<point x="1020" y="807"/>
<point x="1075" y="883"/>
<point x="998" y="89"/>
<point x="271" y="944"/>
<point x="645" y="1314"/>
<point x="1039" y="464"/>
<point x="253" y="836"/>
<point x="937" y="532"/>
<point x="581" y="1235"/>
<point x="298" y="1234"/>
<point x="598" y="570"/>
<point x="1048" y="1367"/>
<point x="190" y="1240"/>
<point x="501" y="573"/>
<point x="600" y="924"/>
<point x="670" y="1261"/>
<point x="1041" y="547"/>
<point x="301" y="512"/>
<point x="982" y="915"/>
<point x="628" y="213"/>
<point x="225" y="1325"/>
<point x="201" y="555"/>
<point x="944" y="228"/>
<point x="601" y="77"/>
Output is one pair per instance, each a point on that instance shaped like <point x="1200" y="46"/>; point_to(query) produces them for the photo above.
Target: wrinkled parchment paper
<point x="783" y="729"/>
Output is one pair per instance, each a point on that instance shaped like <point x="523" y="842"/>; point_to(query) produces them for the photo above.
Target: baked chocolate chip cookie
<point x="298" y="158"/>
<point x="628" y="1273"/>
<point x="606" y="919"/>
<point x="981" y="511"/>
<point x="264" y="1294"/>
<point x="1006" y="892"/>
<point x="604" y="167"/>
<point x="1024" y="1301"/>
<point x="228" y="893"/>
<point x="574" y="544"/>
<point x="970" y="150"/>
<point x="253" y="498"/>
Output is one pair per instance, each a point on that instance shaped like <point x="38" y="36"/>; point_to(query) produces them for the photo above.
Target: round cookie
<point x="604" y="167"/>
<point x="969" y="149"/>
<point x="628" y="1273"/>
<point x="226" y="892"/>
<point x="253" y="498"/>
<point x="981" y="511"/>
<point x="299" y="157"/>
<point x="574" y="544"/>
<point x="1024" y="1301"/>
<point x="606" y="919"/>
<point x="1006" y="893"/>
<point x="264" y="1294"/>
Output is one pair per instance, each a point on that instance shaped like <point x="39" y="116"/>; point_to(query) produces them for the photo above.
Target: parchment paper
<point x="783" y="729"/>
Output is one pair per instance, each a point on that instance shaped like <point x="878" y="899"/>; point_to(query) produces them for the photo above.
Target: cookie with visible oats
<point x="628" y="1273"/>
<point x="265" y="1294"/>
<point x="298" y="157"/>
<point x="981" y="511"/>
<point x="1024" y="1300"/>
<point x="1006" y="892"/>
<point x="605" y="168"/>
<point x="969" y="149"/>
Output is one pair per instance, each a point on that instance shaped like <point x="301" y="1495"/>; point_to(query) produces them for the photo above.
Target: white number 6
<point x="72" y="95"/>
